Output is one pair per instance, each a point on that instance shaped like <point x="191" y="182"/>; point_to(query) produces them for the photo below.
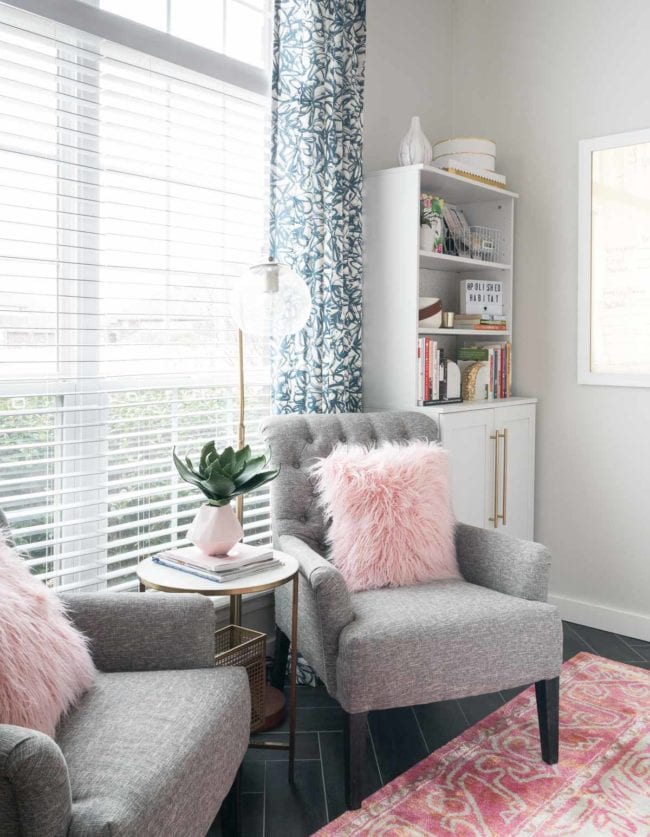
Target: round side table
<point x="168" y="580"/>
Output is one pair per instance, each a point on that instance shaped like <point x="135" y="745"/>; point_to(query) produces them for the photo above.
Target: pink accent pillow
<point x="391" y="519"/>
<point x="45" y="665"/>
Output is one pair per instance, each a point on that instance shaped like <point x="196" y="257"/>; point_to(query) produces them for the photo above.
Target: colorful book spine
<point x="432" y="384"/>
<point x="426" y="384"/>
<point x="498" y="357"/>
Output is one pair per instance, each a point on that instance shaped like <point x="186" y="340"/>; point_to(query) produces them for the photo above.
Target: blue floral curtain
<point x="316" y="196"/>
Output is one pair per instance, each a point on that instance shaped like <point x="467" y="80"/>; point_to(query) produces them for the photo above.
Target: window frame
<point x="586" y="149"/>
<point x="143" y="38"/>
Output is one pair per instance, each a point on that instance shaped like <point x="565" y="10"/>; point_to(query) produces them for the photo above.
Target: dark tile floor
<point x="398" y="739"/>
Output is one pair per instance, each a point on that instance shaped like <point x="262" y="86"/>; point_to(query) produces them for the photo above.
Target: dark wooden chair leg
<point x="279" y="667"/>
<point x="547" y="693"/>
<point x="231" y="825"/>
<point x="355" y="742"/>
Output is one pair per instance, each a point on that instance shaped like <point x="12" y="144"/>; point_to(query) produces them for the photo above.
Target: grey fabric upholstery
<point x="399" y="647"/>
<point x="509" y="565"/>
<point x="295" y="442"/>
<point x="146" y="751"/>
<point x="325" y="608"/>
<point x="35" y="797"/>
<point x="155" y="753"/>
<point x="142" y="632"/>
<point x="442" y="640"/>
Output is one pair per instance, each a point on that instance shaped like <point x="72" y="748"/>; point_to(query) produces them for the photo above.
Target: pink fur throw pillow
<point x="45" y="665"/>
<point x="390" y="509"/>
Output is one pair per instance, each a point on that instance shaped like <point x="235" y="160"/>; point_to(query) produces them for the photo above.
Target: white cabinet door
<point x="466" y="435"/>
<point x="516" y="467"/>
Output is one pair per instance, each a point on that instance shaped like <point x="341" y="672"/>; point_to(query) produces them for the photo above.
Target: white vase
<point x="415" y="147"/>
<point x="427" y="238"/>
<point x="215" y="529"/>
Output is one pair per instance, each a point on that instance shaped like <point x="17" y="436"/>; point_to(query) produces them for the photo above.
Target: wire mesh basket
<point x="237" y="646"/>
<point x="482" y="243"/>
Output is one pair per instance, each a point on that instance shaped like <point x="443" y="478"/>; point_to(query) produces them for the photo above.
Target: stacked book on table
<point x="242" y="561"/>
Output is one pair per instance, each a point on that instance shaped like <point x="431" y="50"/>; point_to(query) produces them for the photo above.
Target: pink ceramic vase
<point x="215" y="529"/>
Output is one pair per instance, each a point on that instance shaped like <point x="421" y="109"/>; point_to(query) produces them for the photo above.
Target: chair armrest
<point x="145" y="631"/>
<point x="510" y="565"/>
<point x="324" y="608"/>
<point x="35" y="797"/>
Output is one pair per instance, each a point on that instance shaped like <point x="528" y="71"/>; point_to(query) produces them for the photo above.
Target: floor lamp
<point x="271" y="301"/>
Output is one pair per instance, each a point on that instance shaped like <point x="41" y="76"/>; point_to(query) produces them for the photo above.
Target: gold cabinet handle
<point x="495" y="518"/>
<point x="504" y="481"/>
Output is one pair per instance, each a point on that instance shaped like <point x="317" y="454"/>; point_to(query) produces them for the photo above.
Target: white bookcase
<point x="492" y="471"/>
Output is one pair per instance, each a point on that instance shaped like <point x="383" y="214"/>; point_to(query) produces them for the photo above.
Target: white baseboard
<point x="606" y="618"/>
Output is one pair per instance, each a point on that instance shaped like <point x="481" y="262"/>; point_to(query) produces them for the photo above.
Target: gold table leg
<point x="235" y="609"/>
<point x="292" y="685"/>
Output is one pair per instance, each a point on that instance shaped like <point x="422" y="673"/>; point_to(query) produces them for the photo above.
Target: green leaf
<point x="227" y="460"/>
<point x="253" y="467"/>
<point x="215" y="470"/>
<point x="218" y="486"/>
<point x="208" y="448"/>
<point x="185" y="473"/>
<point x="241" y="458"/>
<point x="256" y="482"/>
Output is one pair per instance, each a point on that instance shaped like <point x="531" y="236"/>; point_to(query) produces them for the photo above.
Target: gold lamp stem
<point x="241" y="437"/>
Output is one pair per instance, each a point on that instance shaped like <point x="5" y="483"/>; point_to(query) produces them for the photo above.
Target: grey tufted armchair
<point x="403" y="646"/>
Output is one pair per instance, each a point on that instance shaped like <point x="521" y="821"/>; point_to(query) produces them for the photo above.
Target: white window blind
<point x="132" y="195"/>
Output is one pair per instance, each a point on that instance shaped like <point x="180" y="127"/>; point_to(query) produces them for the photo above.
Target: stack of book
<point x="497" y="358"/>
<point x="480" y="322"/>
<point x="243" y="560"/>
<point x="431" y="371"/>
<point x="432" y="374"/>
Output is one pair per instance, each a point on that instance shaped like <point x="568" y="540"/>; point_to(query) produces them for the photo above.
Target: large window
<point x="238" y="28"/>
<point x="614" y="257"/>
<point x="132" y="195"/>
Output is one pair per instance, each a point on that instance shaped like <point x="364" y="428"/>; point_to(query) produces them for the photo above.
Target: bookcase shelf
<point x="470" y="333"/>
<point x="458" y="264"/>
<point x="491" y="443"/>
<point x="398" y="273"/>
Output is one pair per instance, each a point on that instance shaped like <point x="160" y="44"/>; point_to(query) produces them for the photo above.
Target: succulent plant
<point x="222" y="476"/>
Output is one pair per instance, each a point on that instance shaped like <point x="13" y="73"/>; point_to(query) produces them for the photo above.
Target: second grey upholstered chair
<point x="403" y="646"/>
<point x="154" y="747"/>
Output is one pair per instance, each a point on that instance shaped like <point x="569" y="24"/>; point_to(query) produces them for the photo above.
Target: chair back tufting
<point x="296" y="441"/>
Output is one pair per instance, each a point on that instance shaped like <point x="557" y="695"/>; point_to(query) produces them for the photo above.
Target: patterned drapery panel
<point x="316" y="196"/>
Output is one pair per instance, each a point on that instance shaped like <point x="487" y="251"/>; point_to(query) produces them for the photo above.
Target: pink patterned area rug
<point x="491" y="781"/>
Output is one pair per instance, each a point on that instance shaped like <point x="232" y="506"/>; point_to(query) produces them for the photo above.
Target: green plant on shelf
<point x="431" y="208"/>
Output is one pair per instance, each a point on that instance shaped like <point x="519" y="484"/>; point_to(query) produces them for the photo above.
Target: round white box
<point x="465" y="145"/>
<point x="478" y="161"/>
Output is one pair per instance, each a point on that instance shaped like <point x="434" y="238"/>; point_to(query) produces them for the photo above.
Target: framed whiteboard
<point x="614" y="260"/>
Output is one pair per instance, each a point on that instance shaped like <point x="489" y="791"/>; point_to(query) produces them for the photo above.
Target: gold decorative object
<point x="237" y="646"/>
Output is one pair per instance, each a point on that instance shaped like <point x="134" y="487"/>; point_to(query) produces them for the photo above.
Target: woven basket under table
<point x="237" y="646"/>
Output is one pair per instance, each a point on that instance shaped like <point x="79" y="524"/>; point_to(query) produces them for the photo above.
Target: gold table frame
<point x="235" y="593"/>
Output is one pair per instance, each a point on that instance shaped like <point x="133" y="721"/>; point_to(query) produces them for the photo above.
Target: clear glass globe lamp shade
<point x="270" y="300"/>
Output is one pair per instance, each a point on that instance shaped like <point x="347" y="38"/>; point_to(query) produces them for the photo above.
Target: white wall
<point x="408" y="73"/>
<point x="537" y="76"/>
